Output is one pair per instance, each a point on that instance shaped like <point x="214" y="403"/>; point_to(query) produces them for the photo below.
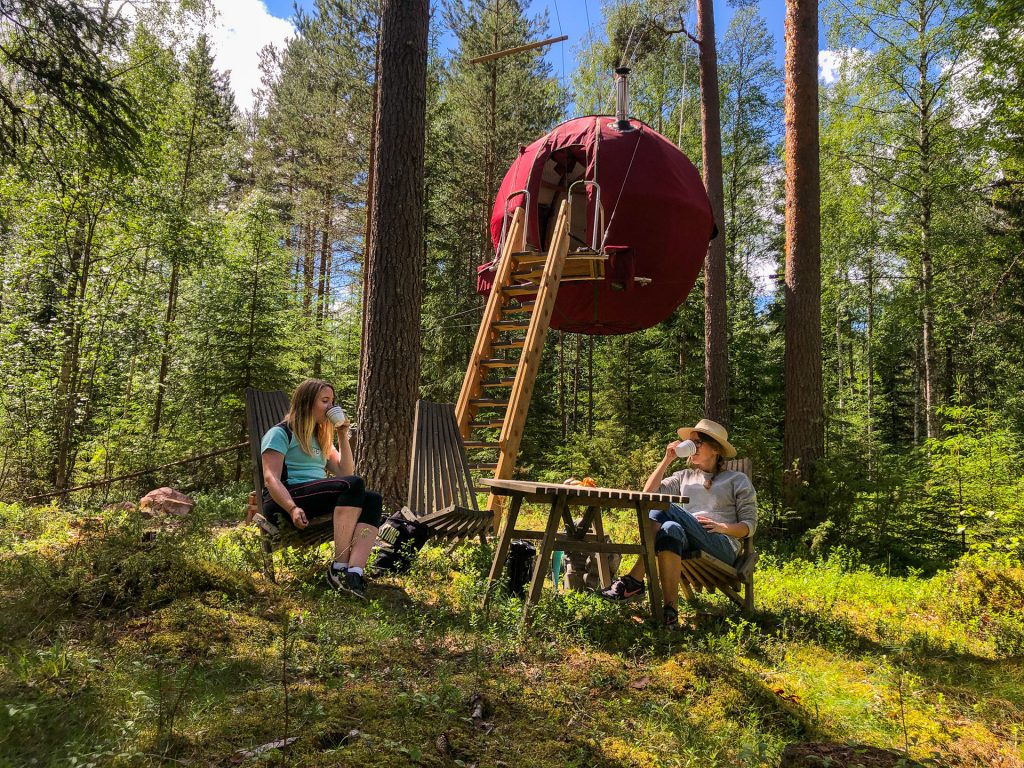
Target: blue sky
<point x="243" y="27"/>
<point x="571" y="17"/>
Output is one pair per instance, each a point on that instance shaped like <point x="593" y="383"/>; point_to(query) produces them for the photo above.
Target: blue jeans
<point x="681" y="532"/>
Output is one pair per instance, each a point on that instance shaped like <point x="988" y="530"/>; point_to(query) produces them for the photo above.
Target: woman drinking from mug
<point x="722" y="509"/>
<point x="298" y="453"/>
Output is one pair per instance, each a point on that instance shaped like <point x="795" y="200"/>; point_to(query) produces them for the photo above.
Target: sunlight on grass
<point x="130" y="644"/>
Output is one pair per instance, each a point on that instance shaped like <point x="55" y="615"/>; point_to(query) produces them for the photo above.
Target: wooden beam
<point x="517" y="49"/>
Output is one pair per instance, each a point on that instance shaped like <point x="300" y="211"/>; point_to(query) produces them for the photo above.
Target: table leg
<point x="653" y="583"/>
<point x="501" y="553"/>
<point x="603" y="562"/>
<point x="547" y="546"/>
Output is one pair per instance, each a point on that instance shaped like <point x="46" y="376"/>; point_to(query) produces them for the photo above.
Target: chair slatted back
<point x="743" y="465"/>
<point x="263" y="409"/>
<point x="439" y="471"/>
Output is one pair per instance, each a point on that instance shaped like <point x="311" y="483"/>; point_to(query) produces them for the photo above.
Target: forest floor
<point x="126" y="641"/>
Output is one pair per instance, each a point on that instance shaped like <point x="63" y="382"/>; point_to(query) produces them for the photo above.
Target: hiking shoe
<point x="354" y="584"/>
<point x="335" y="578"/>
<point x="624" y="588"/>
<point x="671" y="615"/>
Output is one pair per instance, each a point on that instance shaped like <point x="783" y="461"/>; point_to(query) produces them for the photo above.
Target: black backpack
<point x="519" y="566"/>
<point x="398" y="540"/>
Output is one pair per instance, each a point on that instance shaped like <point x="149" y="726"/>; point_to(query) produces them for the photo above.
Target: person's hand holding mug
<point x="670" y="452"/>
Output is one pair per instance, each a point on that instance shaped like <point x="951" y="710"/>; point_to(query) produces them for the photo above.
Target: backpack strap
<point x="284" y="464"/>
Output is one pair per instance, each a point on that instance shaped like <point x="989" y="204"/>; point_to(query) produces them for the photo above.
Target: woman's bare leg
<point x="669" y="570"/>
<point x="344" y="529"/>
<point x="362" y="542"/>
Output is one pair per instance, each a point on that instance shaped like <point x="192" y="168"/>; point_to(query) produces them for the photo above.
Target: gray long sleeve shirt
<point x="730" y="499"/>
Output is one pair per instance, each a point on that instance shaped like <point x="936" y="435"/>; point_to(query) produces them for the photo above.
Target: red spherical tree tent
<point x="600" y="227"/>
<point x="636" y="199"/>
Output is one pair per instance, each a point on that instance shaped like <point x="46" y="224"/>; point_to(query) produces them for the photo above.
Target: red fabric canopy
<point x="656" y="213"/>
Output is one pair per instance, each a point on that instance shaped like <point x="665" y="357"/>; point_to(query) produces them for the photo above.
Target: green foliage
<point x="206" y="663"/>
<point x="60" y="59"/>
<point x="975" y="476"/>
<point x="985" y="593"/>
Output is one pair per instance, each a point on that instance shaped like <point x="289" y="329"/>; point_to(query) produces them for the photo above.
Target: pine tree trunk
<point x="323" y="290"/>
<point x="165" y="354"/>
<point x="390" y="367"/>
<point x="925" y="221"/>
<point x="803" y="441"/>
<point x="716" y="351"/>
<point x="371" y="181"/>
<point x="69" y="378"/>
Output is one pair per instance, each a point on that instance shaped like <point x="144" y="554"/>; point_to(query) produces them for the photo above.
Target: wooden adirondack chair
<point x="264" y="409"/>
<point x="704" y="572"/>
<point x="441" y="494"/>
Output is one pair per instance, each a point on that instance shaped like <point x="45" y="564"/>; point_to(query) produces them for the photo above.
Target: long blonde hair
<point x="300" y="417"/>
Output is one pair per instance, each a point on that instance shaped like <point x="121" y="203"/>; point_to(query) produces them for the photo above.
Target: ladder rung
<point x="517" y="344"/>
<point x="510" y="325"/>
<point x="499" y="383"/>
<point x="489" y="402"/>
<point x="471" y="444"/>
<point x="520" y="290"/>
<point x="494" y="424"/>
<point x="530" y="257"/>
<point x="520" y="309"/>
<point x="499" y="362"/>
<point x="483" y="465"/>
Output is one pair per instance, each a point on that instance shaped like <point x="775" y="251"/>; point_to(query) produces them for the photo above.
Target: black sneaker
<point x="335" y="578"/>
<point x="671" y="615"/>
<point x="623" y="589"/>
<point x="354" y="584"/>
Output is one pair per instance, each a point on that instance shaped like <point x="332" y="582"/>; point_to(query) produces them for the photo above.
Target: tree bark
<point x="370" y="186"/>
<point x="390" y="366"/>
<point x="803" y="441"/>
<point x="323" y="291"/>
<point x="68" y="382"/>
<point x="716" y="350"/>
<point x="925" y="220"/>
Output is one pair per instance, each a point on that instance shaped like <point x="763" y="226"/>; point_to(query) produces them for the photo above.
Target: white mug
<point x="336" y="415"/>
<point x="685" y="448"/>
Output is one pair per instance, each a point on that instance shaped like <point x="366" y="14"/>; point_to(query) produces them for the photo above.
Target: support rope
<point x="140" y="473"/>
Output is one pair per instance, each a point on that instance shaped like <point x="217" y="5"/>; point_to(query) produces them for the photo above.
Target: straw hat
<point x="715" y="431"/>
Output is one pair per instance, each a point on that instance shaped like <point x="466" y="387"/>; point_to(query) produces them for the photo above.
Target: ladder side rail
<point x="526" y="373"/>
<point x="482" y="348"/>
<point x="597" y="237"/>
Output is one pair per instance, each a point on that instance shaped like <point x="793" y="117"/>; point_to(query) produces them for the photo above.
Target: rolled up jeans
<point x="682" y="532"/>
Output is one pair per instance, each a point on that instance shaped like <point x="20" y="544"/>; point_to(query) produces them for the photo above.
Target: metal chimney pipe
<point x="622" y="124"/>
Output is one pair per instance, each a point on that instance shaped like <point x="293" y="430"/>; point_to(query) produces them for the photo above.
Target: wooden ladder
<point x="496" y="391"/>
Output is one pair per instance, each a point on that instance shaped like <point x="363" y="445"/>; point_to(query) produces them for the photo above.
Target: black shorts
<point x="318" y="498"/>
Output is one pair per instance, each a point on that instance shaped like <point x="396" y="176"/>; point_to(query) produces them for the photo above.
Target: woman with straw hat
<point x="722" y="509"/>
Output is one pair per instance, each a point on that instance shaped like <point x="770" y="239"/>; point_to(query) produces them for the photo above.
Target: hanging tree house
<point x="599" y="227"/>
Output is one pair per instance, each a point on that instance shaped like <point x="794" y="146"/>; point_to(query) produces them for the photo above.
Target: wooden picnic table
<point x="561" y="498"/>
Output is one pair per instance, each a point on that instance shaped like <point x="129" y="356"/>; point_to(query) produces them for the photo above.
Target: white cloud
<point x="241" y="29"/>
<point x="828" y="66"/>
